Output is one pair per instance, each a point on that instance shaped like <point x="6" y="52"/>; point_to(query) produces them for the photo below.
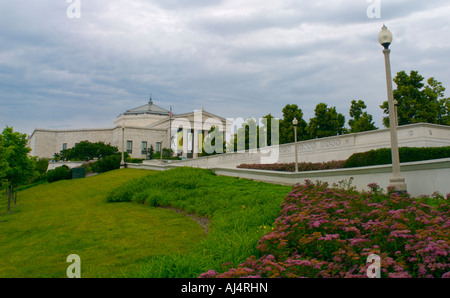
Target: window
<point x="144" y="147"/>
<point x="158" y="147"/>
<point x="64" y="146"/>
<point x="130" y="147"/>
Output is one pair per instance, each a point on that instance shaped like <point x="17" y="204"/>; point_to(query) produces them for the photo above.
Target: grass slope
<point x="52" y="221"/>
<point x="241" y="212"/>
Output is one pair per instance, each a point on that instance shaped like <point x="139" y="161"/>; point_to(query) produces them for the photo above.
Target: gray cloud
<point x="235" y="58"/>
<point x="182" y="4"/>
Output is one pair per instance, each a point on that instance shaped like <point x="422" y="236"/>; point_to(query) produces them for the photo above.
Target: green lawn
<point x="241" y="211"/>
<point x="52" y="221"/>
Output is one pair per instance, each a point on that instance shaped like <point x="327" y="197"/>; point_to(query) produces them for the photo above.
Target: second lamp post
<point x="295" y="123"/>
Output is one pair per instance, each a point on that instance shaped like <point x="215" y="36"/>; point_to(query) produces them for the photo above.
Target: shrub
<point x="134" y="160"/>
<point x="60" y="173"/>
<point x="108" y="163"/>
<point x="407" y="154"/>
<point x="329" y="232"/>
<point x="370" y="158"/>
<point x="89" y="167"/>
<point x="166" y="154"/>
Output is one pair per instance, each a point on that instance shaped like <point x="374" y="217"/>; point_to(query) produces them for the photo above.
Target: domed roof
<point x="149" y="108"/>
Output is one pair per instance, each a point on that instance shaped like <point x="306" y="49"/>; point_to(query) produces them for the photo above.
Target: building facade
<point x="135" y="131"/>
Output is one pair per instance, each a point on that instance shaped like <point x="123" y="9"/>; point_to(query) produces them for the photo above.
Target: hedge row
<point x="59" y="173"/>
<point x="407" y="154"/>
<point x="364" y="159"/>
<point x="290" y="167"/>
<point x="105" y="164"/>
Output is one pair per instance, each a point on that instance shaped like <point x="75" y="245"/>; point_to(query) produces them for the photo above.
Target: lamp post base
<point x="399" y="184"/>
<point x="123" y="165"/>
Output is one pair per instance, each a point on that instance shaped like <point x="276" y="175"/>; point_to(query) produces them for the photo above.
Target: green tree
<point x="269" y="133"/>
<point x="417" y="102"/>
<point x="3" y="162"/>
<point x="151" y="152"/>
<point x="327" y="122"/>
<point x="20" y="168"/>
<point x="86" y="151"/>
<point x="213" y="143"/>
<point x="247" y="136"/>
<point x="291" y="111"/>
<point x="41" y="166"/>
<point x="444" y="111"/>
<point x="360" y="121"/>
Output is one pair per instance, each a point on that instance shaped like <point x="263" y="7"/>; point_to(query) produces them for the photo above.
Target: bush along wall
<point x="407" y="154"/>
<point x="107" y="163"/>
<point x="290" y="167"/>
<point x="60" y="173"/>
<point x="370" y="158"/>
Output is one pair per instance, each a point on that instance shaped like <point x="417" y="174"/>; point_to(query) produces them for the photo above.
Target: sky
<point x="69" y="64"/>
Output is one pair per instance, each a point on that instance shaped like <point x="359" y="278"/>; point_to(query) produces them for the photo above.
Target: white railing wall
<point x="330" y="148"/>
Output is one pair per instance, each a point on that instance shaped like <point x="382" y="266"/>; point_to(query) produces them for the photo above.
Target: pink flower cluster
<point x="330" y="232"/>
<point x="302" y="166"/>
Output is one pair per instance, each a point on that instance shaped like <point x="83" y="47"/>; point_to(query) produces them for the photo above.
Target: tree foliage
<point x="85" y="151"/>
<point x="16" y="167"/>
<point x="270" y="131"/>
<point x="327" y="122"/>
<point x="247" y="136"/>
<point x="417" y="102"/>
<point x="361" y="120"/>
<point x="213" y="143"/>
<point x="291" y="111"/>
<point x="3" y="161"/>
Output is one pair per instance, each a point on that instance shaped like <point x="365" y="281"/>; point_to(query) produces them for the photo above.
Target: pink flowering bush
<point x="330" y="232"/>
<point x="302" y="166"/>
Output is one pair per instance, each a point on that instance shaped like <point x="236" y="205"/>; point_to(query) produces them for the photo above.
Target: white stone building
<point x="136" y="130"/>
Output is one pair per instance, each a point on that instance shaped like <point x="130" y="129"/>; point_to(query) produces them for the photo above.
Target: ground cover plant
<point x="54" y="220"/>
<point x="240" y="212"/>
<point x="325" y="231"/>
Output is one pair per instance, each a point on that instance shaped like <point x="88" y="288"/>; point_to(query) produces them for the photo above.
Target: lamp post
<point x="122" y="162"/>
<point x="160" y="157"/>
<point x="295" y="123"/>
<point x="397" y="181"/>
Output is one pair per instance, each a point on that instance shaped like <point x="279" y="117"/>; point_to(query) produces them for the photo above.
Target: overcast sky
<point x="235" y="58"/>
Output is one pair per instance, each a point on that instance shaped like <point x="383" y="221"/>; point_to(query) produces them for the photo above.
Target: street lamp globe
<point x="385" y="37"/>
<point x="295" y="121"/>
